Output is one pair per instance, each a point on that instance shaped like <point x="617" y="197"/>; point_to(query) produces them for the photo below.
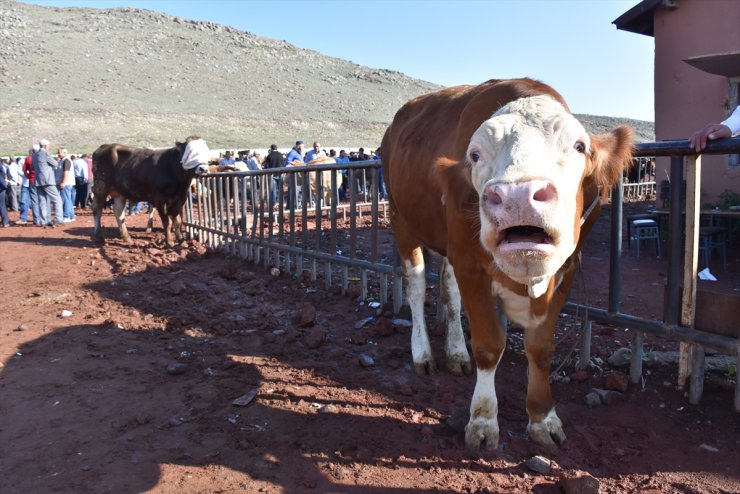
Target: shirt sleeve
<point x="733" y="121"/>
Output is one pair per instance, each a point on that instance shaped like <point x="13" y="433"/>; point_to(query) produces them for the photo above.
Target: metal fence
<point x="332" y="219"/>
<point x="327" y="219"/>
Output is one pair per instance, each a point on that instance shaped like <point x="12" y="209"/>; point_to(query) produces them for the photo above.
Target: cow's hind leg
<point x="150" y="219"/>
<point x="98" y="202"/>
<point x="421" y="349"/>
<point x="119" y="210"/>
<point x="457" y="358"/>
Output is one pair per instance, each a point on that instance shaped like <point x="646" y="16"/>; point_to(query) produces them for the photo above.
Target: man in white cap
<point x="44" y="166"/>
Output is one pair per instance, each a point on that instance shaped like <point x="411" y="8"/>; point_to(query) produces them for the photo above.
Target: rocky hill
<point x="145" y="78"/>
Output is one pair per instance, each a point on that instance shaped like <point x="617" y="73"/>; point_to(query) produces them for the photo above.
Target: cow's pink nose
<point x="534" y="193"/>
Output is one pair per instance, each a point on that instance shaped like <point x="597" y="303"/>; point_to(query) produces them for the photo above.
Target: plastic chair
<point x="713" y="238"/>
<point x="644" y="229"/>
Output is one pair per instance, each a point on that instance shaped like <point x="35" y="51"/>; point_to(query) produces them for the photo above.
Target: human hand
<point x="698" y="139"/>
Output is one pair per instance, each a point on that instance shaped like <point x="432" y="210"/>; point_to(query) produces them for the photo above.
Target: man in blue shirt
<point x="227" y="159"/>
<point x="314" y="153"/>
<point x="295" y="154"/>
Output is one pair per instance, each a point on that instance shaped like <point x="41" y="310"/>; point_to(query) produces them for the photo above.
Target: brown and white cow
<point x="502" y="181"/>
<point x="159" y="176"/>
<point x="325" y="177"/>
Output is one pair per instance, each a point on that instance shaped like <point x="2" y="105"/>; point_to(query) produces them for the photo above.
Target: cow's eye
<point x="580" y="147"/>
<point x="474" y="156"/>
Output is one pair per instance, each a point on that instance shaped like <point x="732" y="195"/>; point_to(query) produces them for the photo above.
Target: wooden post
<point x="691" y="254"/>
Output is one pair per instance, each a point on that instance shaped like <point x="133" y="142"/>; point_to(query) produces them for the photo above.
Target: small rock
<point x="709" y="448"/>
<point x="305" y="316"/>
<point x="315" y="338"/>
<point x="22" y="327"/>
<point x="177" y="368"/>
<point x="593" y="400"/>
<point x="577" y="482"/>
<point x="363" y="322"/>
<point x="404" y="323"/>
<point x="328" y="409"/>
<point x="538" y="464"/>
<point x="245" y="399"/>
<point x="620" y="358"/>
<point x="617" y="381"/>
<point x="65" y="313"/>
<point x="177" y="287"/>
<point x="275" y="272"/>
<point x="609" y="397"/>
<point x="365" y="360"/>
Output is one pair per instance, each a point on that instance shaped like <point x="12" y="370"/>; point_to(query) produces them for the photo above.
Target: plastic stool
<point x="713" y="238"/>
<point x="645" y="230"/>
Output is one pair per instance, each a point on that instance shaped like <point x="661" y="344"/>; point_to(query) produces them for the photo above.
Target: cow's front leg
<point x="488" y="340"/>
<point x="458" y="360"/>
<point x="545" y="427"/>
<point x="119" y="211"/>
<point x="166" y="225"/>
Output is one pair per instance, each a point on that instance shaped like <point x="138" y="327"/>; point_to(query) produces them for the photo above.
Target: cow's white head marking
<point x="527" y="163"/>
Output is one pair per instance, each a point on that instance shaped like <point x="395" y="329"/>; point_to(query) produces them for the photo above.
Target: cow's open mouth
<point x="526" y="236"/>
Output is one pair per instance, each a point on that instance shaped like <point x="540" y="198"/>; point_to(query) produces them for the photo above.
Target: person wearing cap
<point x="295" y="154"/>
<point x="44" y="166"/>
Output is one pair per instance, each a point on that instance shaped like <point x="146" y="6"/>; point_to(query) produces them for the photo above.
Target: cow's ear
<point x="610" y="154"/>
<point x="455" y="181"/>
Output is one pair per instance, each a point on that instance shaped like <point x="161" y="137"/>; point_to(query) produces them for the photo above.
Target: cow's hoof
<point x="459" y="364"/>
<point x="481" y="433"/>
<point x="426" y="367"/>
<point x="549" y="432"/>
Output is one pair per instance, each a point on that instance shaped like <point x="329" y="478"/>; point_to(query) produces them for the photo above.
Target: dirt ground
<point x="134" y="391"/>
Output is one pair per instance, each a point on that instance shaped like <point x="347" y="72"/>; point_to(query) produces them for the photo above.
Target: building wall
<point x="685" y="97"/>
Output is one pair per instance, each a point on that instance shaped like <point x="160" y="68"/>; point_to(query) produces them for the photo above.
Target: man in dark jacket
<point x="274" y="159"/>
<point x="3" y="193"/>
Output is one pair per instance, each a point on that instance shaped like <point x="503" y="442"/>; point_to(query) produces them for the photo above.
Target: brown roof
<point x="639" y="19"/>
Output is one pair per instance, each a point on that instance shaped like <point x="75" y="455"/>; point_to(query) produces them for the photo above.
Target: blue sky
<point x="571" y="45"/>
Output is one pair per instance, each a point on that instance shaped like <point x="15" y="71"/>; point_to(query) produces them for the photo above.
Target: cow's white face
<point x="528" y="162"/>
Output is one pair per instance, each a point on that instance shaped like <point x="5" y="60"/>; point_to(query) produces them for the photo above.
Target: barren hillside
<point x="140" y="77"/>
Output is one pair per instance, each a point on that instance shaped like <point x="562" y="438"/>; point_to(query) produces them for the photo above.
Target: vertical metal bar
<point x="638" y="341"/>
<point x="363" y="285"/>
<point x="615" y="252"/>
<point x="397" y="293"/>
<point x="585" y="357"/>
<point x="383" y="288"/>
<point x="352" y="213"/>
<point x="675" y="247"/>
<point x="327" y="275"/>
<point x="696" y="382"/>
<point x="345" y="280"/>
<point x="374" y="215"/>
<point x="333" y="240"/>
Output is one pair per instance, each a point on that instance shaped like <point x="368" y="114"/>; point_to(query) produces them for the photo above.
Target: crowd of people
<point x="45" y="189"/>
<point x="253" y="160"/>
